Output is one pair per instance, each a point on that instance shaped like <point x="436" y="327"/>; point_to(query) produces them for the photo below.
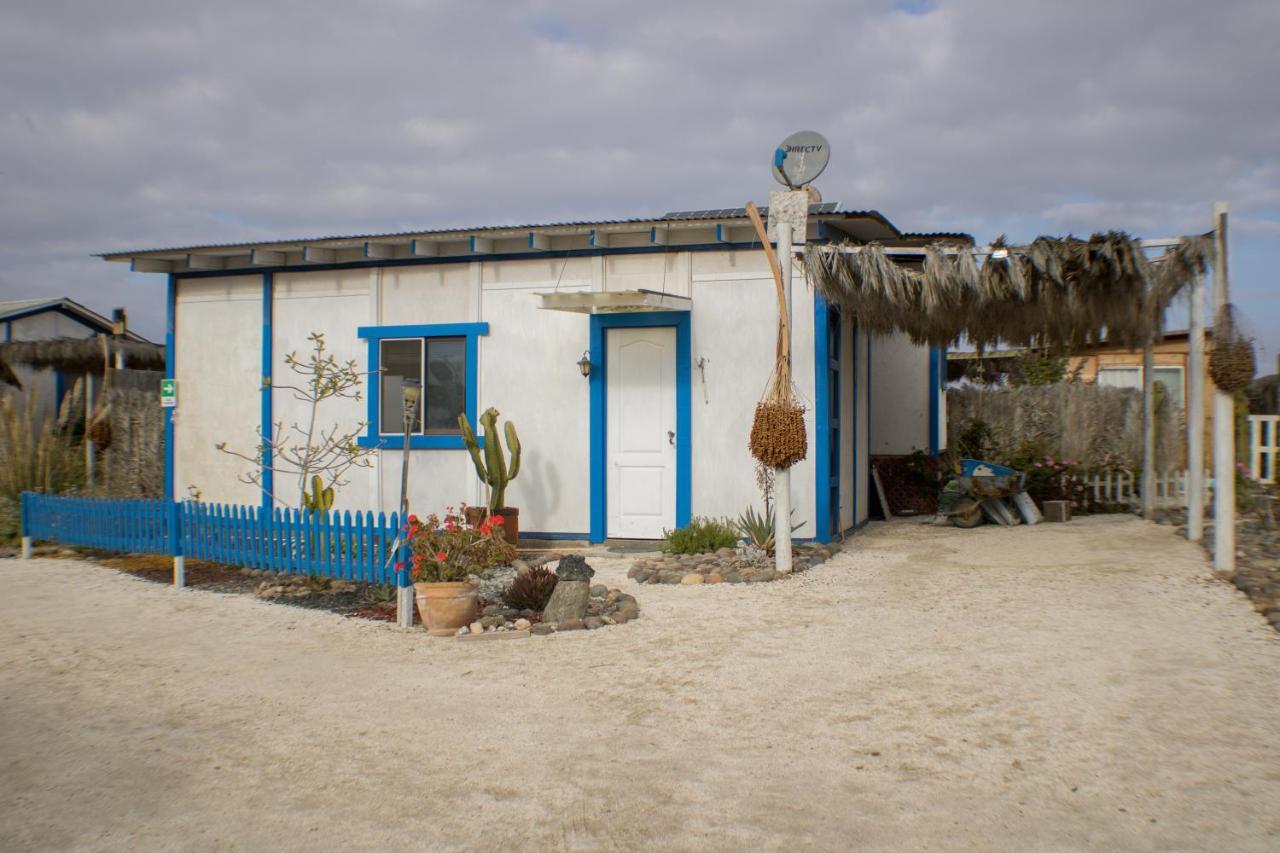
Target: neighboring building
<point x="50" y="320"/>
<point x="676" y="318"/>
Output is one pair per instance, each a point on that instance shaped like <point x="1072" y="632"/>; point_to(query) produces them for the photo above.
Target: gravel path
<point x="1059" y="687"/>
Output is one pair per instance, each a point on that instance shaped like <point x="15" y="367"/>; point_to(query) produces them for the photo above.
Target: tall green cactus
<point x="492" y="468"/>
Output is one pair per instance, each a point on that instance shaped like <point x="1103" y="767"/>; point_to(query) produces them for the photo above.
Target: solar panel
<point x="741" y="212"/>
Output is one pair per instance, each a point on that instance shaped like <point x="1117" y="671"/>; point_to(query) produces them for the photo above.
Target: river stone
<point x="573" y="567"/>
<point x="568" y="601"/>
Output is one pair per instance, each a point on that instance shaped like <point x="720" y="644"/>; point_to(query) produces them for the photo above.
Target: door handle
<point x="671" y="438"/>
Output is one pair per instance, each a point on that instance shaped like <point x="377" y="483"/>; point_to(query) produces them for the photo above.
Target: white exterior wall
<point x="527" y="369"/>
<point x="335" y="303"/>
<point x="218" y="353"/>
<point x="900" y="382"/>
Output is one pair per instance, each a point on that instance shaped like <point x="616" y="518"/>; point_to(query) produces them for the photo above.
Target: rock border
<point x="605" y="607"/>
<point x="724" y="566"/>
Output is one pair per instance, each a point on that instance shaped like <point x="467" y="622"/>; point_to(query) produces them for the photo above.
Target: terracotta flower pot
<point x="510" y="524"/>
<point x="446" y="607"/>
<point x="475" y="515"/>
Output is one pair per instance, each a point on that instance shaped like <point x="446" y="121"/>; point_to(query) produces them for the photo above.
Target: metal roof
<point x="26" y="307"/>
<point x="824" y="210"/>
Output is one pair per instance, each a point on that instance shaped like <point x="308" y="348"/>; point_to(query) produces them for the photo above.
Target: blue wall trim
<point x="374" y="334"/>
<point x="462" y="259"/>
<point x="599" y="411"/>
<point x="170" y="363"/>
<point x="936" y="355"/>
<point x="268" y="461"/>
<point x="821" y="419"/>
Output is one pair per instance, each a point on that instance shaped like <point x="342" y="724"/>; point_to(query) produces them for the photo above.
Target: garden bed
<point x="726" y="565"/>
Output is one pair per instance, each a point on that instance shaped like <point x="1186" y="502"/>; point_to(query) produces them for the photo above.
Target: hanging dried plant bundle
<point x="777" y="432"/>
<point x="1231" y="363"/>
<point x="1058" y="294"/>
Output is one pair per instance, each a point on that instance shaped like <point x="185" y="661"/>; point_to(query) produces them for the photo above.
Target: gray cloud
<point x="146" y="123"/>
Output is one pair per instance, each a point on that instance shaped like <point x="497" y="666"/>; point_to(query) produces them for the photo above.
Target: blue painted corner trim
<point x="821" y="419"/>
<point x="599" y="413"/>
<point x="375" y="334"/>
<point x="170" y="324"/>
<point x="268" y="462"/>
<point x="936" y="355"/>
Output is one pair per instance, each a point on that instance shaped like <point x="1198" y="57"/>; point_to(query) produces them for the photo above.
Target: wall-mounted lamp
<point x="584" y="363"/>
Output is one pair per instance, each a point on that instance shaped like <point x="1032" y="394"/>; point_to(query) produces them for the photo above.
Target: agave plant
<point x="532" y="590"/>
<point x="757" y="528"/>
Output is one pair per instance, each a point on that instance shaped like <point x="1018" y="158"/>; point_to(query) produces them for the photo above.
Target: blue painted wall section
<point x="937" y="376"/>
<point x="599" y="411"/>
<point x="268" y="309"/>
<point x="170" y="362"/>
<point x="821" y="420"/>
<point x="374" y="334"/>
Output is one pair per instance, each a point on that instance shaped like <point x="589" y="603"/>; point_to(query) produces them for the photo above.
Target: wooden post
<point x="1224" y="419"/>
<point x="782" y="478"/>
<point x="1148" y="431"/>
<point x="1195" y="414"/>
<point x="88" y="416"/>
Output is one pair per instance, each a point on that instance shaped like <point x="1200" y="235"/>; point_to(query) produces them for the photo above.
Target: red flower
<point x="441" y="556"/>
<point x="499" y="520"/>
<point x="413" y="519"/>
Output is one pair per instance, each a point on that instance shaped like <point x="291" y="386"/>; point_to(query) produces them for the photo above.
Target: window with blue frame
<point x="443" y="359"/>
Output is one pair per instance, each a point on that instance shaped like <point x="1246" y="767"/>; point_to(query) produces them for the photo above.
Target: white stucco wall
<point x="218" y="367"/>
<point x="900" y="396"/>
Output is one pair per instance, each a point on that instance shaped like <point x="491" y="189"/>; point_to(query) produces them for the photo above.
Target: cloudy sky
<point x="136" y="124"/>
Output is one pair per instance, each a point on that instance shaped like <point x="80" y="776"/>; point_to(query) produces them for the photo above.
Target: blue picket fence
<point x="132" y="526"/>
<point x="350" y="546"/>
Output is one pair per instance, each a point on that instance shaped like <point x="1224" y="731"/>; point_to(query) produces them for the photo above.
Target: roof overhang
<point x="614" y="302"/>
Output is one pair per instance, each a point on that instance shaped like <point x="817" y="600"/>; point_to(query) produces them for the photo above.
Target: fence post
<point x="404" y="583"/>
<point x="25" y="526"/>
<point x="175" y="545"/>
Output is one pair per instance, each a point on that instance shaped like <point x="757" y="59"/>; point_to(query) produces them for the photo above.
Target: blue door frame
<point x="599" y="411"/>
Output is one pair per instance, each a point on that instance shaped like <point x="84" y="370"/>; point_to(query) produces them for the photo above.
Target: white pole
<point x="1224" y="419"/>
<point x="404" y="606"/>
<point x="782" y="479"/>
<point x="179" y="571"/>
<point x="1195" y="414"/>
<point x="26" y="547"/>
<point x="1148" y="432"/>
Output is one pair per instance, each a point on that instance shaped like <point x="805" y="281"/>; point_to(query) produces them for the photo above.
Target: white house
<point x="30" y="320"/>
<point x="676" y="315"/>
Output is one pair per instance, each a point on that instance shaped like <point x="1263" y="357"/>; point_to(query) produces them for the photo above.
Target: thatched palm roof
<point x="1056" y="293"/>
<point x="82" y="354"/>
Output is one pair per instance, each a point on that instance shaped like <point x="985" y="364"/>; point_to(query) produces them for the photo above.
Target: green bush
<point x="702" y="536"/>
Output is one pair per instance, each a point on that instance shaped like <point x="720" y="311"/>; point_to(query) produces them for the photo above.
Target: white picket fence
<point x="1120" y="486"/>
<point x="1264" y="447"/>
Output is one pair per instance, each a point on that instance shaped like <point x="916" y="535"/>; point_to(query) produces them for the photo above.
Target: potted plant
<point x="494" y="470"/>
<point x="446" y="554"/>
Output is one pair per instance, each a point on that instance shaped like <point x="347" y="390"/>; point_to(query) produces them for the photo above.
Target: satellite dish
<point x="800" y="158"/>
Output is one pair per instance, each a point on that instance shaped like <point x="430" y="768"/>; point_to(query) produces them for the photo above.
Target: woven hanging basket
<point x="1231" y="363"/>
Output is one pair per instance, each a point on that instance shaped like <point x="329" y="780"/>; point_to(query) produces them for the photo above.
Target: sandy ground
<point x="1058" y="688"/>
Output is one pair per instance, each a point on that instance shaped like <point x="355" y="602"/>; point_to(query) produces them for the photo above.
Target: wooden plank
<point x="884" y="499"/>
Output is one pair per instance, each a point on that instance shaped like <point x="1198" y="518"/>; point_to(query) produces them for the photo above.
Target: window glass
<point x="399" y="360"/>
<point x="1120" y="377"/>
<point x="446" y="386"/>
<point x="1171" y="379"/>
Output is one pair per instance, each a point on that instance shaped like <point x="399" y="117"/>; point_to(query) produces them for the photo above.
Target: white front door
<point x="640" y="390"/>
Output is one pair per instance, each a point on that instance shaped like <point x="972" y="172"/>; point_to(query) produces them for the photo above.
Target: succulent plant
<point x="492" y="467"/>
<point x="532" y="590"/>
<point x="319" y="499"/>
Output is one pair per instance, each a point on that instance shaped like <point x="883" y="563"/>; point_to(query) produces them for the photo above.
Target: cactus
<point x="319" y="499"/>
<point x="492" y="468"/>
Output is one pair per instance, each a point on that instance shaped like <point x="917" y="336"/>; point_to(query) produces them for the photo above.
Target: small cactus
<point x="319" y="499"/>
<point x="492" y="467"/>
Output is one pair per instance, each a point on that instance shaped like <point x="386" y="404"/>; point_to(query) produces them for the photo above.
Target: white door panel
<point x="641" y="394"/>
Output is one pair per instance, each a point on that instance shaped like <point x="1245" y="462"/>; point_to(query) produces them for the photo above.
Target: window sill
<point x="416" y="442"/>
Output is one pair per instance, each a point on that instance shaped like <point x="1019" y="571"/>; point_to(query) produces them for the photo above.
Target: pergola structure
<point x="1056" y="294"/>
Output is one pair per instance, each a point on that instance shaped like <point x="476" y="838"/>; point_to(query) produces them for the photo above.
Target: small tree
<point x="316" y="456"/>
